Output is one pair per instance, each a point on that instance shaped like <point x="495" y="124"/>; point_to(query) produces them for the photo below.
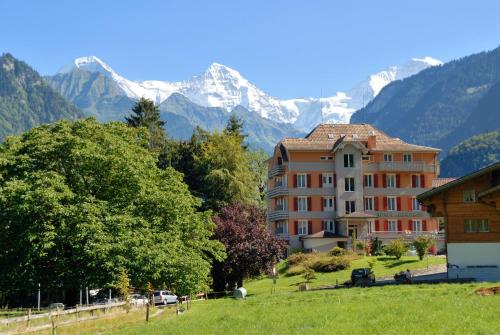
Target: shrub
<point x="331" y="264"/>
<point x="296" y="270"/>
<point x="422" y="244"/>
<point x="360" y="246"/>
<point x="309" y="275"/>
<point x="396" y="248"/>
<point x="376" y="247"/>
<point x="298" y="258"/>
<point x="338" y="251"/>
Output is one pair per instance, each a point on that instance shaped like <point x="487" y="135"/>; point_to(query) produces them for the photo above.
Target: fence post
<point x="54" y="331"/>
<point x="147" y="312"/>
<point x="76" y="312"/>
<point x="29" y="318"/>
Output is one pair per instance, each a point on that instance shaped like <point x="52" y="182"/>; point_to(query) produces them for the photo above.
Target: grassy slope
<point x="417" y="309"/>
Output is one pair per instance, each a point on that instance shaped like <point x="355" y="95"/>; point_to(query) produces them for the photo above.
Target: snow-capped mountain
<point x="221" y="86"/>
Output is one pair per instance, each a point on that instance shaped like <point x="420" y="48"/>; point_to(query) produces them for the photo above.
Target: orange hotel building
<point x="345" y="181"/>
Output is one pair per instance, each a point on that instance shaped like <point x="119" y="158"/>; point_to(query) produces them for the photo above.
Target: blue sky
<point x="287" y="48"/>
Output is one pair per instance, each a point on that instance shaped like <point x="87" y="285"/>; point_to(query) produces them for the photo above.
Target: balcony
<point x="415" y="166"/>
<point x="401" y="214"/>
<point x="277" y="191"/>
<point x="407" y="235"/>
<point x="278" y="214"/>
<point x="276" y="170"/>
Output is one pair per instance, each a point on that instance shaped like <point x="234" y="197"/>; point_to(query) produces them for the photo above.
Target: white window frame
<point x="392" y="226"/>
<point x="477" y="226"/>
<point x="279" y="181"/>
<point x="394" y="202"/>
<point x="350" y="163"/>
<point x="368" y="177"/>
<point x="348" y="208"/>
<point x="416" y="225"/>
<point x="330" y="226"/>
<point x="370" y="226"/>
<point x="283" y="202"/>
<point x="282" y="227"/>
<point x="302" y="204"/>
<point x="391" y="180"/>
<point x="415" y="204"/>
<point x="301" y="180"/>
<point x="370" y="201"/>
<point x="469" y="196"/>
<point x="302" y="228"/>
<point x="406" y="156"/>
<point x="347" y="184"/>
<point x="388" y="157"/>
<point x="328" y="204"/>
<point x="327" y="177"/>
<point x="418" y="183"/>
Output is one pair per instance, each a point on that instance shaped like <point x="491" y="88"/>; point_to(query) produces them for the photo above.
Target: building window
<point x="281" y="204"/>
<point x="387" y="157"/>
<point x="348" y="160"/>
<point x="326" y="158"/>
<point x="415" y="181"/>
<point x="393" y="225"/>
<point x="391" y="203"/>
<point x="302" y="227"/>
<point x="302" y="204"/>
<point x="417" y="225"/>
<point x="329" y="225"/>
<point x="302" y="180"/>
<point x="369" y="204"/>
<point x="415" y="204"/>
<point x="407" y="158"/>
<point x="391" y="181"/>
<point x="368" y="180"/>
<point x="327" y="179"/>
<point x="328" y="204"/>
<point x="469" y="196"/>
<point x="278" y="182"/>
<point x="282" y="228"/>
<point x="477" y="225"/>
<point x="349" y="184"/>
<point x="350" y="206"/>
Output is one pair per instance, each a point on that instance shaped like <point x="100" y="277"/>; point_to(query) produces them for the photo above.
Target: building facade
<point x="470" y="208"/>
<point x="343" y="182"/>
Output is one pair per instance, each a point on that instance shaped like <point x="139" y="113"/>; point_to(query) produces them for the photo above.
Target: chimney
<point x="372" y="141"/>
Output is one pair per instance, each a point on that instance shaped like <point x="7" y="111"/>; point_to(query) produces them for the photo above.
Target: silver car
<point x="164" y="297"/>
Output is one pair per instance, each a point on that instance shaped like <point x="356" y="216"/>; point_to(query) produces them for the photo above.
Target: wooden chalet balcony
<point x="414" y="166"/>
<point x="276" y="170"/>
<point x="277" y="191"/>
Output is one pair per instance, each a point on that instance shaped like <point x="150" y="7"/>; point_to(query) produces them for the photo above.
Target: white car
<point x="138" y="299"/>
<point x="164" y="297"/>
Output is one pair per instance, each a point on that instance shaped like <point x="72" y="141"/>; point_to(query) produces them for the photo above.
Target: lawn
<point x="404" y="309"/>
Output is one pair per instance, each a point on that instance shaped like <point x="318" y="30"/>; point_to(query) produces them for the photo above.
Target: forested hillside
<point x="472" y="154"/>
<point x="442" y="105"/>
<point x="26" y="100"/>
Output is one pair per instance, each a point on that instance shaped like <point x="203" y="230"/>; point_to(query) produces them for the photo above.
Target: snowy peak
<point x="88" y="63"/>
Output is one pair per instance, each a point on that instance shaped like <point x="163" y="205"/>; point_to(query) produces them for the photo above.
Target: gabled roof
<point x="459" y="181"/>
<point x="325" y="136"/>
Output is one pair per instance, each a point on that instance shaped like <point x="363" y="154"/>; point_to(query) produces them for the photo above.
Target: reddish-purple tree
<point x="251" y="248"/>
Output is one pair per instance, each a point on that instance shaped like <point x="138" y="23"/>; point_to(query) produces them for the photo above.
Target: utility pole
<point x="80" y="295"/>
<point x="87" y="293"/>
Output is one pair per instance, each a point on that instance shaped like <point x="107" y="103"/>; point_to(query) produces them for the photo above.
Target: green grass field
<point x="404" y="309"/>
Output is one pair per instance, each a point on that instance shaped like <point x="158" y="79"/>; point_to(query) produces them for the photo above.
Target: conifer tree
<point x="146" y="114"/>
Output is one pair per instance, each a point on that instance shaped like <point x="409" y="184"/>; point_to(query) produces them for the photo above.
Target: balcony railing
<point x="277" y="191"/>
<point x="407" y="235"/>
<point x="401" y="214"/>
<point x="276" y="170"/>
<point x="278" y="214"/>
<point x="414" y="166"/>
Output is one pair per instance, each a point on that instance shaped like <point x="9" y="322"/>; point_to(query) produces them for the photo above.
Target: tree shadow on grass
<point x="399" y="263"/>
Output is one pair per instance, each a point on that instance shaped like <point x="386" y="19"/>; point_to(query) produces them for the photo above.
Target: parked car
<point x="164" y="297"/>
<point x="56" y="306"/>
<point x="362" y="276"/>
<point x="411" y="251"/>
<point x="138" y="299"/>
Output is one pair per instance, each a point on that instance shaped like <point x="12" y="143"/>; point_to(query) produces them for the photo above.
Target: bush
<point x="331" y="264"/>
<point x="298" y="258"/>
<point x="296" y="270"/>
<point x="422" y="244"/>
<point x="376" y="247"/>
<point x="309" y="275"/>
<point x="337" y="251"/>
<point x="396" y="248"/>
<point x="360" y="246"/>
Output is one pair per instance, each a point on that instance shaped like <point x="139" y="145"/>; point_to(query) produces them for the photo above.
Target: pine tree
<point x="234" y="127"/>
<point x="146" y="114"/>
